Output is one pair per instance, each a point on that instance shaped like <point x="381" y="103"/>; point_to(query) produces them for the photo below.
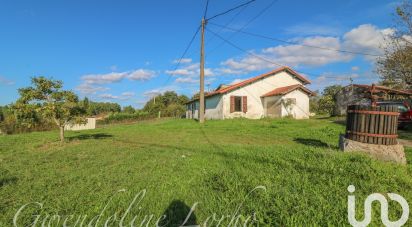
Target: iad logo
<point x="384" y="209"/>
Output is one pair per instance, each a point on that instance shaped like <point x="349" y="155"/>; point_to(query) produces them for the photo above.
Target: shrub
<point x="125" y="117"/>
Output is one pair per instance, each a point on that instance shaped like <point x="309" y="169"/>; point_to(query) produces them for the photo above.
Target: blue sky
<point x="126" y="51"/>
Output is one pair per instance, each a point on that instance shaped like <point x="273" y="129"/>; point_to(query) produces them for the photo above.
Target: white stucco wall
<point x="213" y="108"/>
<point x="91" y="124"/>
<point x="218" y="106"/>
<point x="255" y="106"/>
<point x="300" y="110"/>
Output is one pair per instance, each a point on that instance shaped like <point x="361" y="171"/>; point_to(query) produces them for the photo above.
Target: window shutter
<point x="244" y="104"/>
<point x="232" y="104"/>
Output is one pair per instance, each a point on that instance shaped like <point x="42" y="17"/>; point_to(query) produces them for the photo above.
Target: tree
<point x="175" y="110"/>
<point x="169" y="104"/>
<point x="129" y="109"/>
<point x="45" y="98"/>
<point x="2" y="113"/>
<point x="395" y="67"/>
<point x="327" y="102"/>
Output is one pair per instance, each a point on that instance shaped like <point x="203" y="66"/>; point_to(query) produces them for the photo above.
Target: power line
<point x="294" y="43"/>
<point x="230" y="10"/>
<point x="257" y="56"/>
<point x="247" y="24"/>
<point x="207" y="5"/>
<point x="230" y="21"/>
<point x="184" y="53"/>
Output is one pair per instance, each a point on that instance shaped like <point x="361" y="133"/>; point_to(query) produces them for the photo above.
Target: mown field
<point x="220" y="168"/>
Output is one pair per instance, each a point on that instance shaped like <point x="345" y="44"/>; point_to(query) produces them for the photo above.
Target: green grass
<point x="180" y="163"/>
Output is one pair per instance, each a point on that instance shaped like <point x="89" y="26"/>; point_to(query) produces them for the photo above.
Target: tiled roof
<point x="254" y="79"/>
<point x="287" y="89"/>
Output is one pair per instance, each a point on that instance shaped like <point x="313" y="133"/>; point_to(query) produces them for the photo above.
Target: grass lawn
<point x="180" y="163"/>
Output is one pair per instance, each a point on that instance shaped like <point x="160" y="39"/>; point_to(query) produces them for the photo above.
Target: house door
<point x="273" y="108"/>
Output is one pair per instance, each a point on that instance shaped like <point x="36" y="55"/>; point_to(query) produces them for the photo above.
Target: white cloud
<point x="355" y="68"/>
<point x="183" y="61"/>
<point x="113" y="77"/>
<point x="122" y="96"/>
<point x="88" y="89"/>
<point x="103" y="78"/>
<point x="141" y="74"/>
<point x="179" y="72"/>
<point x="91" y="82"/>
<point x="5" y="81"/>
<point x="128" y="94"/>
<point x="161" y="90"/>
<point x="152" y="93"/>
<point x="108" y="96"/>
<point x="186" y="80"/>
<point x="235" y="81"/>
<point x="190" y="70"/>
<point x="365" y="38"/>
<point x="328" y="78"/>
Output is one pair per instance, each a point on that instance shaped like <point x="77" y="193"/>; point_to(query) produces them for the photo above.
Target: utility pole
<point x="202" y="75"/>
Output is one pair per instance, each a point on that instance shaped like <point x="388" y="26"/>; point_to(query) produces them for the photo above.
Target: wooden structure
<point x="372" y="124"/>
<point x="366" y="95"/>
<point x="376" y="93"/>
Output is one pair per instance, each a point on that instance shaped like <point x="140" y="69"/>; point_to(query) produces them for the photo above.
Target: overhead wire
<point x="294" y="43"/>
<point x="230" y="10"/>
<point x="247" y="24"/>
<point x="258" y="56"/>
<point x="184" y="52"/>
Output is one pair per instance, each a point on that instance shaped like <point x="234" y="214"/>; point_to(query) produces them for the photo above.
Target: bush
<point x="126" y="117"/>
<point x="9" y="125"/>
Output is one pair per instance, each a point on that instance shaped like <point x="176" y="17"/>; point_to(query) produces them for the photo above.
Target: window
<point x="290" y="101"/>
<point x="238" y="103"/>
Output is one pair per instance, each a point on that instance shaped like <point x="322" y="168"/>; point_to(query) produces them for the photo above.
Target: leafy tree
<point x="46" y="99"/>
<point x="86" y="103"/>
<point x="2" y="113"/>
<point x="129" y="109"/>
<point x="314" y="103"/>
<point x="96" y="108"/>
<point x="175" y="110"/>
<point x="395" y="67"/>
<point x="327" y="102"/>
<point x="170" y="104"/>
<point x="183" y="99"/>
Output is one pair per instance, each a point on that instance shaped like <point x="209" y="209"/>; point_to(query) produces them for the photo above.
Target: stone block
<point x="391" y="153"/>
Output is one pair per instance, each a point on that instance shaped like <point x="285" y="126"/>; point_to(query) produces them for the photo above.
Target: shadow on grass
<point x="340" y="122"/>
<point x="313" y="143"/>
<point x="178" y="214"/>
<point x="7" y="180"/>
<point x="405" y="133"/>
<point x="95" y="136"/>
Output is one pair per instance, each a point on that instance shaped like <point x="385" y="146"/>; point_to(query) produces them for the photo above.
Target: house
<point x="278" y="93"/>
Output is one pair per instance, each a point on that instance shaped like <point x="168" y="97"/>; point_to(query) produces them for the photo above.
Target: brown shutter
<point x="244" y="104"/>
<point x="232" y="104"/>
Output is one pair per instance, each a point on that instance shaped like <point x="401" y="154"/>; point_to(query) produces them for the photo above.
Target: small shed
<point x="90" y="124"/>
<point x="358" y="94"/>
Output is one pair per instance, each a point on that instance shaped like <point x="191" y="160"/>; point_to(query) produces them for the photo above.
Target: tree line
<point x="46" y="106"/>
